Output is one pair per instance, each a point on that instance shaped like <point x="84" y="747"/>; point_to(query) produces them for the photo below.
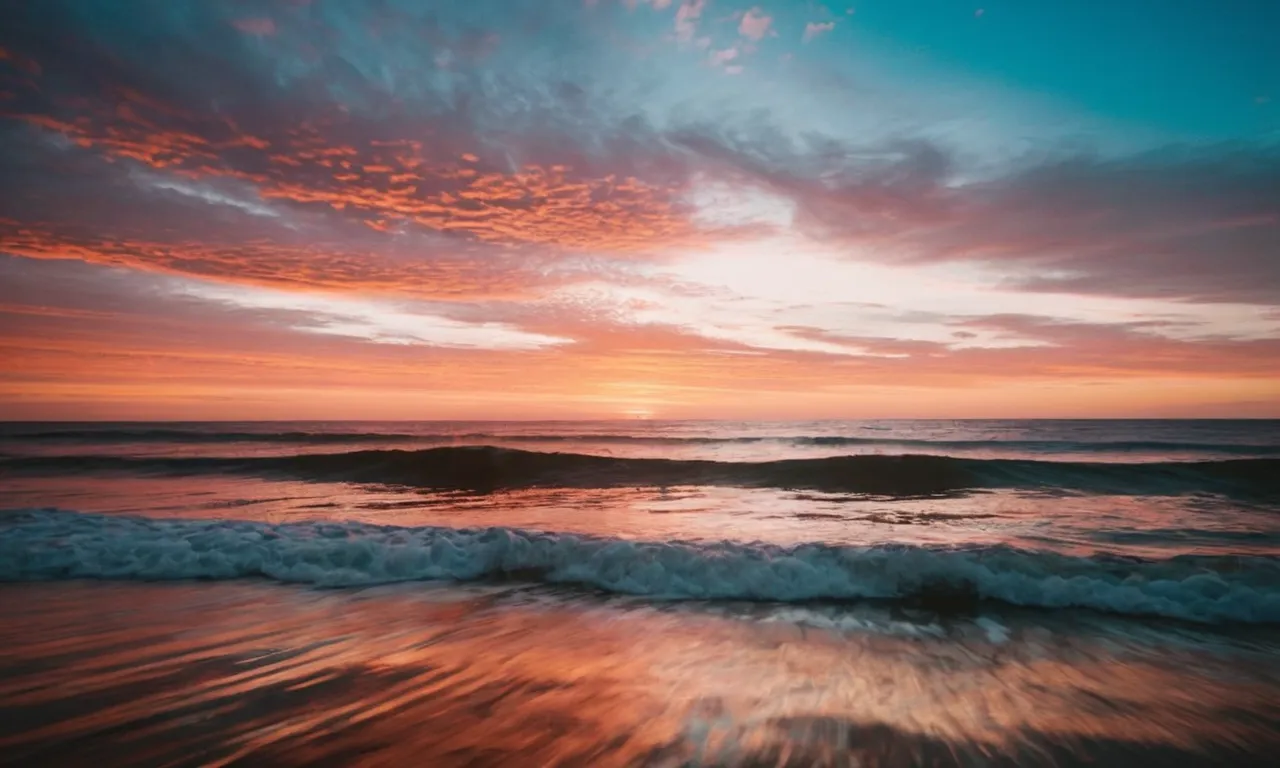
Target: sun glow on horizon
<point x="482" y="208"/>
<point x="640" y="413"/>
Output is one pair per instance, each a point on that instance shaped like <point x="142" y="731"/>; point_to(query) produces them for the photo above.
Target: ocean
<point x="640" y="593"/>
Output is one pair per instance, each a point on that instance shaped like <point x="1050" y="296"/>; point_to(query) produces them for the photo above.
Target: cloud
<point x="76" y="336"/>
<point x="559" y="169"/>
<point x="720" y="58"/>
<point x="755" y="24"/>
<point x="68" y="203"/>
<point x="1199" y="225"/>
<point x="1138" y="348"/>
<point x="259" y="27"/>
<point x="315" y="266"/>
<point x="325" y="180"/>
<point x="687" y="16"/>
<point x="568" y="200"/>
<point x="816" y="28"/>
<point x="557" y="202"/>
<point x="1186" y="224"/>
<point x="378" y="322"/>
<point x="547" y="167"/>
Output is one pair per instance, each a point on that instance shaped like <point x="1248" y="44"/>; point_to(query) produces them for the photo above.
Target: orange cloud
<point x="315" y="267"/>
<point x="390" y="182"/>
<point x="534" y="205"/>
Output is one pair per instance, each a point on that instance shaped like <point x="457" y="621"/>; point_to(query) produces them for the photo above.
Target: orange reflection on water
<point x="1153" y="527"/>
<point x="245" y="673"/>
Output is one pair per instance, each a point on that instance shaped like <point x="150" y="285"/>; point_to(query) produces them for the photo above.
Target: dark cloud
<point x="1200" y="225"/>
<point x="1195" y="224"/>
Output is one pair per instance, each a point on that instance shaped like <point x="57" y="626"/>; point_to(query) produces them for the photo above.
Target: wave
<point x="55" y="544"/>
<point x="1056" y="446"/>
<point x="193" y="436"/>
<point x="488" y="469"/>
<point x="170" y="435"/>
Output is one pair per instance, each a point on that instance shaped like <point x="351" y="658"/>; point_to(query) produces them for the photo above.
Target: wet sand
<point x="250" y="673"/>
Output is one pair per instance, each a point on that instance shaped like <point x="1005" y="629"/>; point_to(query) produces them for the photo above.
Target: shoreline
<point x="130" y="673"/>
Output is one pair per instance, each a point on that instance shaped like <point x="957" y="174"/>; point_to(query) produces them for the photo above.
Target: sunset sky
<point x="401" y="209"/>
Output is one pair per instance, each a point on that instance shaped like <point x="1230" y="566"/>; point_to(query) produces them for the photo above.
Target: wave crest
<point x="54" y="544"/>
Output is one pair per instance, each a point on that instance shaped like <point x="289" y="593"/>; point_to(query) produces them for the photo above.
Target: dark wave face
<point x="488" y="469"/>
<point x="111" y="436"/>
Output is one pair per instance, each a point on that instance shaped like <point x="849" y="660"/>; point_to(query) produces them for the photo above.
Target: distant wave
<point x="194" y="436"/>
<point x="486" y="469"/>
<point x="172" y="435"/>
<point x="52" y="544"/>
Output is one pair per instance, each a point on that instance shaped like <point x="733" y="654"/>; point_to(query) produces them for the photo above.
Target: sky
<point x="557" y="209"/>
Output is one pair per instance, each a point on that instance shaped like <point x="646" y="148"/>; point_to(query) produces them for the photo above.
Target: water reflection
<point x="254" y="674"/>
<point x="1144" y="526"/>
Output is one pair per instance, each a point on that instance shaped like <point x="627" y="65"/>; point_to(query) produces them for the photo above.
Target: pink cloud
<point x="687" y="19"/>
<point x="733" y="70"/>
<point x="755" y="25"/>
<point x="260" y="27"/>
<point x="719" y="58"/>
<point x="813" y="29"/>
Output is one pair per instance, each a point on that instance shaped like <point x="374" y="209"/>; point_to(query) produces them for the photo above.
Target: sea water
<point x="640" y="593"/>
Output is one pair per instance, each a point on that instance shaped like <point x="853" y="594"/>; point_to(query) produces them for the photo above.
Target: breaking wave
<point x="54" y="544"/>
<point x="488" y="469"/>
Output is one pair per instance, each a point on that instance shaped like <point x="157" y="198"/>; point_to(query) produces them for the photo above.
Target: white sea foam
<point x="55" y="544"/>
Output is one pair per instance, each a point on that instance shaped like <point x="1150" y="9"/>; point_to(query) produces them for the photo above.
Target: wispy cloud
<point x="380" y="323"/>
<point x="815" y="28"/>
